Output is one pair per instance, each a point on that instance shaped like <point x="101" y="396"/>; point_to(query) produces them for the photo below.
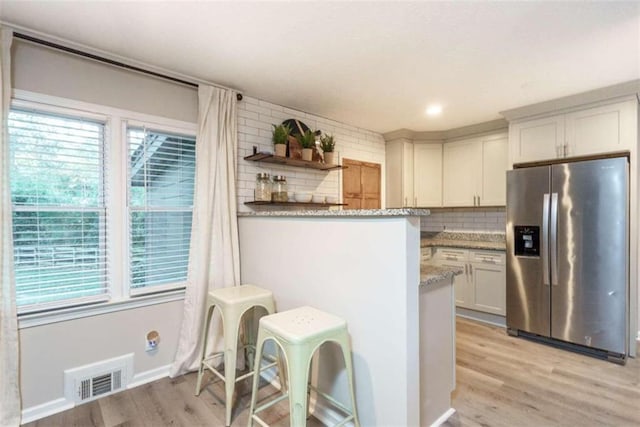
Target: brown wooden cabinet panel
<point x="361" y="184"/>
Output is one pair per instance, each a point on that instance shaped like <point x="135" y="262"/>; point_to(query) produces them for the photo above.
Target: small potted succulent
<point x="307" y="141"/>
<point x="328" y="144"/>
<point x="280" y="137"/>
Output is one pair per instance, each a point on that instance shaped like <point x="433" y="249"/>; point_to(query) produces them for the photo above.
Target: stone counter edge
<point x="338" y="213"/>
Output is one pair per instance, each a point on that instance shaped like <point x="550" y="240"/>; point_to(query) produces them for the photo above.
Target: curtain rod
<point x="105" y="60"/>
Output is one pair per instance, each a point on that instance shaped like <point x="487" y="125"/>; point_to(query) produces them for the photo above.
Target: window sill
<point x="31" y="320"/>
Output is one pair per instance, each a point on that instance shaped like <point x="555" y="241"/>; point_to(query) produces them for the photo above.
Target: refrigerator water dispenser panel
<point x="527" y="240"/>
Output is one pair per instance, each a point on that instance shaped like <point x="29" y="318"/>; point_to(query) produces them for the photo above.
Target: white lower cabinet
<point x="482" y="285"/>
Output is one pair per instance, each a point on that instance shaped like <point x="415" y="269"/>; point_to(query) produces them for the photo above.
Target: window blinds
<point x="57" y="184"/>
<point x="161" y="182"/>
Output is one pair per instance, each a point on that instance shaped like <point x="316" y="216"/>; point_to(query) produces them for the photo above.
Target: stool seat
<point x="232" y="302"/>
<point x="303" y="324"/>
<point x="298" y="333"/>
<point x="239" y="294"/>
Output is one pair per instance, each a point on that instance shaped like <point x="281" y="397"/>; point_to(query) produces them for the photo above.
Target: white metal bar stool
<point x="232" y="302"/>
<point x="299" y="333"/>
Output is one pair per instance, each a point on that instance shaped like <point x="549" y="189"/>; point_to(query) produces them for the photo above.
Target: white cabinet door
<point x="427" y="174"/>
<point x="601" y="129"/>
<point x="399" y="174"/>
<point x="540" y="139"/>
<point x="494" y="170"/>
<point x="461" y="169"/>
<point x="488" y="279"/>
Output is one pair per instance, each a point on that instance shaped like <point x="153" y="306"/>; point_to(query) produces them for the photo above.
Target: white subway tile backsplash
<point x="486" y="219"/>
<point x="255" y="120"/>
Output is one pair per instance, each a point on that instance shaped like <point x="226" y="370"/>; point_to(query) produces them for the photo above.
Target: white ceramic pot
<point x="307" y="154"/>
<point x="328" y="158"/>
<point x="281" y="150"/>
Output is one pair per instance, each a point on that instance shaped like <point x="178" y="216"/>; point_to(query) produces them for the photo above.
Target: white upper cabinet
<point x="602" y="129"/>
<point x="596" y="130"/>
<point x="475" y="171"/>
<point x="536" y="139"/>
<point x="462" y="167"/>
<point x="413" y="174"/>
<point x="495" y="162"/>
<point x="399" y="174"/>
<point x="427" y="174"/>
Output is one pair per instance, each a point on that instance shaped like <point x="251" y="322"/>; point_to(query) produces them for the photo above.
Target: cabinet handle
<point x="471" y="271"/>
<point x="465" y="270"/>
<point x="564" y="150"/>
<point x="405" y="202"/>
<point x="478" y="200"/>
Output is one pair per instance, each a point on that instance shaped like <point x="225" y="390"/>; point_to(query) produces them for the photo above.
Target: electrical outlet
<point x="151" y="341"/>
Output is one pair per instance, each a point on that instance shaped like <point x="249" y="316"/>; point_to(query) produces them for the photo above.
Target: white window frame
<point x="116" y="121"/>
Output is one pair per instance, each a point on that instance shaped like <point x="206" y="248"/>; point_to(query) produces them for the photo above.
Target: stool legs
<point x="346" y="352"/>
<point x="256" y="376"/>
<point x="230" y="327"/>
<point x="298" y="364"/>
<point x="203" y="340"/>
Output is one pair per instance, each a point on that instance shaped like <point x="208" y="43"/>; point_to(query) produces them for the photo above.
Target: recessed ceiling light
<point x="434" y="110"/>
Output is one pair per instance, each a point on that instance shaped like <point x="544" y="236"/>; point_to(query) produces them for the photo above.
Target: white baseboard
<point x="46" y="409"/>
<point x="149" y="376"/>
<point x="444" y="417"/>
<point x="58" y="405"/>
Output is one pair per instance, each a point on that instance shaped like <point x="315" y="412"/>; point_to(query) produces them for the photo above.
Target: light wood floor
<point x="507" y="381"/>
<point x="501" y="381"/>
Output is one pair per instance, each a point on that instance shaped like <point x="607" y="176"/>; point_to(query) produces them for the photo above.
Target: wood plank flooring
<point x="507" y="381"/>
<point x="501" y="381"/>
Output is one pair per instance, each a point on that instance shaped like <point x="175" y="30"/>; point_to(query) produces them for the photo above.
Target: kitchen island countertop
<point x="431" y="274"/>
<point x="339" y="213"/>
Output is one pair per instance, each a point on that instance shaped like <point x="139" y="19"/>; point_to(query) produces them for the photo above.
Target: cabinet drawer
<point x="426" y="254"/>
<point x="487" y="257"/>
<point x="449" y="254"/>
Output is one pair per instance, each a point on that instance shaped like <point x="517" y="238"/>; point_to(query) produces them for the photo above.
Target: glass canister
<point x="262" y="193"/>
<point x="279" y="189"/>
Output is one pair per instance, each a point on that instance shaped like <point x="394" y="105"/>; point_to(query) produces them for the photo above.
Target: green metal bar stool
<point x="232" y="302"/>
<point x="299" y="333"/>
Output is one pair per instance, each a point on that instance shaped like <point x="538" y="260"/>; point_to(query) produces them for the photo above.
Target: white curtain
<point x="214" y="259"/>
<point x="9" y="357"/>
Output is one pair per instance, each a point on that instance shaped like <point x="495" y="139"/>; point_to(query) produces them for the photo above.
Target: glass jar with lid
<point x="279" y="189"/>
<point x="262" y="193"/>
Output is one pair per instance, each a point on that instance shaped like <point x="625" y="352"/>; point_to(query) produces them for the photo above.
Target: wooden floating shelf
<point x="308" y="204"/>
<point x="270" y="158"/>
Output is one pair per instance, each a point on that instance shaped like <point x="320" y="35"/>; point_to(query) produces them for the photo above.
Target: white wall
<point x="475" y="219"/>
<point x="255" y="120"/>
<point x="364" y="270"/>
<point x="47" y="350"/>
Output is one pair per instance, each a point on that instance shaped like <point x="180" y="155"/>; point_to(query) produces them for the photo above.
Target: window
<point x="81" y="235"/>
<point x="57" y="180"/>
<point x="161" y="177"/>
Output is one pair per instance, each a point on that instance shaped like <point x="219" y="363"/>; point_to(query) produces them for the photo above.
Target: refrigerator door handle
<point x="554" y="239"/>
<point x="545" y="239"/>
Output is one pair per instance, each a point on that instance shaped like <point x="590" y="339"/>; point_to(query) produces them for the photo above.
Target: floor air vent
<point x="90" y="382"/>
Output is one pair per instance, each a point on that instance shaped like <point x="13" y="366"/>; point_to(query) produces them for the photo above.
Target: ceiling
<point x="376" y="65"/>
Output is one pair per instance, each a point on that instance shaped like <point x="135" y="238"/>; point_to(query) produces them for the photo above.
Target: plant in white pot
<point x="307" y="141"/>
<point x="280" y="136"/>
<point x="328" y="145"/>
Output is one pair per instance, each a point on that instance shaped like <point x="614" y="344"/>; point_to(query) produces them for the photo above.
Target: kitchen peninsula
<point x="364" y="266"/>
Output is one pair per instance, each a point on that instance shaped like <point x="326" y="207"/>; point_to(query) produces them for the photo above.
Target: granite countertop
<point x="432" y="274"/>
<point x="488" y="241"/>
<point x="340" y="213"/>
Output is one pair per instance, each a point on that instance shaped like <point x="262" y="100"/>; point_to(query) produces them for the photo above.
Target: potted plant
<point x="280" y="136"/>
<point x="328" y="144"/>
<point x="307" y="141"/>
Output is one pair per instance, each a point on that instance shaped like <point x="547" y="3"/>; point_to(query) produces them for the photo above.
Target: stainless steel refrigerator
<point x="568" y="255"/>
